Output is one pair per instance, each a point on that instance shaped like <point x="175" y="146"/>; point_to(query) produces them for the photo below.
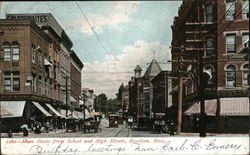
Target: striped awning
<point x="234" y="106"/>
<point x="54" y="110"/>
<point x="45" y="112"/>
<point x="210" y="108"/>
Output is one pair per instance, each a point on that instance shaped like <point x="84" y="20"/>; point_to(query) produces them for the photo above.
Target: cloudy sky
<point x="117" y="37"/>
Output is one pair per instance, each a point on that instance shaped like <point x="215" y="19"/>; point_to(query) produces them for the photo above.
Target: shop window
<point x="11" y="81"/>
<point x="230" y="43"/>
<point x="209" y="12"/>
<point x="230" y="10"/>
<point x="7" y="51"/>
<point x="245" y="75"/>
<point x="230" y="76"/>
<point x="245" y="9"/>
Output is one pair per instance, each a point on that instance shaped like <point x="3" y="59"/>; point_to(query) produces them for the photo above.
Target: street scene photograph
<point x="89" y="69"/>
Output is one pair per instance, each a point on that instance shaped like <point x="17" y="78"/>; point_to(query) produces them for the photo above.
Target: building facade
<point x="208" y="34"/>
<point x="135" y="108"/>
<point x="24" y="73"/>
<point x="33" y="68"/>
<point x="75" y="78"/>
<point x="152" y="70"/>
<point x="162" y="86"/>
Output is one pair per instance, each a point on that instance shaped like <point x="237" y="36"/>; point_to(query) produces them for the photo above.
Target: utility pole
<point x="180" y="105"/>
<point x="166" y="91"/>
<point x="202" y="120"/>
<point x="66" y="89"/>
<point x="180" y="95"/>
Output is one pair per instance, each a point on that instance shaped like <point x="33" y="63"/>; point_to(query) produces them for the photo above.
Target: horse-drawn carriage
<point x="93" y="122"/>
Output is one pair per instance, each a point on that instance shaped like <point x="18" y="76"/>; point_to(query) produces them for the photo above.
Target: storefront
<point x="225" y="115"/>
<point x="19" y="109"/>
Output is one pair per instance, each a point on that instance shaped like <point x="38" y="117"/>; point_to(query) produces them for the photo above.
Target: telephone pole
<point x="180" y="95"/>
<point x="66" y="89"/>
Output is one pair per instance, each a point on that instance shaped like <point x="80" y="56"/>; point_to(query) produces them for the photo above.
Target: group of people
<point x="37" y="127"/>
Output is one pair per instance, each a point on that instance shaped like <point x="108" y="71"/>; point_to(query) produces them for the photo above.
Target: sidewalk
<point x="32" y="134"/>
<point x="184" y="134"/>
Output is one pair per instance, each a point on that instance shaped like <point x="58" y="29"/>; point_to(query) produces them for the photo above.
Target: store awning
<point x="90" y="102"/>
<point x="11" y="108"/>
<point x="174" y="90"/>
<point x="210" y="108"/>
<point x="87" y="114"/>
<point x="47" y="63"/>
<point x="46" y="113"/>
<point x="234" y="106"/>
<point x="54" y="110"/>
<point x="81" y="102"/>
<point x="72" y="99"/>
<point x="69" y="115"/>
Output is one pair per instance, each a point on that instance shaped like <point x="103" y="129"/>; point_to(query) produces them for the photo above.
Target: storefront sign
<point x="24" y="98"/>
<point x="41" y="19"/>
<point x="237" y="57"/>
<point x="38" y="19"/>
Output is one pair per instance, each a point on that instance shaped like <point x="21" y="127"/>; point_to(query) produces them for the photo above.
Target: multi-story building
<point x="125" y="100"/>
<point x="152" y="70"/>
<point x="33" y="66"/>
<point x="123" y="97"/>
<point x="135" y="108"/>
<point x="76" y="66"/>
<point x="89" y="100"/>
<point x="24" y="69"/>
<point x="208" y="33"/>
<point x="64" y="78"/>
<point x="162" y="86"/>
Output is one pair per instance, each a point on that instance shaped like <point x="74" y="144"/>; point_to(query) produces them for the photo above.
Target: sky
<point x="110" y="37"/>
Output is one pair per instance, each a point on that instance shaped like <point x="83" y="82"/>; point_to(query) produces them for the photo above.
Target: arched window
<point x="245" y="75"/>
<point x="230" y="76"/>
<point x="7" y="52"/>
<point x="209" y="70"/>
<point x="15" y="51"/>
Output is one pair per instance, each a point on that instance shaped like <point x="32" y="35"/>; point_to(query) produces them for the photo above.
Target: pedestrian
<point x="25" y="128"/>
<point x="172" y="129"/>
<point x="38" y="127"/>
<point x="10" y="134"/>
<point x="47" y="125"/>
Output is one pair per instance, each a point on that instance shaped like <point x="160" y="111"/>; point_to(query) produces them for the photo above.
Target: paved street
<point x="106" y="131"/>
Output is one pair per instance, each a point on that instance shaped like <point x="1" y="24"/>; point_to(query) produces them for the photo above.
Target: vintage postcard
<point x="124" y="77"/>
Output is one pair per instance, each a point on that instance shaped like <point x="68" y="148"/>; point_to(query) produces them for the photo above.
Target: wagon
<point x="93" y="123"/>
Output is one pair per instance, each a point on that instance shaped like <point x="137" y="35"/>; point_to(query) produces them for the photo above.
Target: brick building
<point x="123" y="97"/>
<point x="162" y="86"/>
<point x="76" y="66"/>
<point x="152" y="70"/>
<point x="31" y="78"/>
<point x="210" y="33"/>
<point x="135" y="107"/>
<point x="24" y="75"/>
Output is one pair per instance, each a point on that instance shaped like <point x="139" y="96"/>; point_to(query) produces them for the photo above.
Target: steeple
<point x="137" y="71"/>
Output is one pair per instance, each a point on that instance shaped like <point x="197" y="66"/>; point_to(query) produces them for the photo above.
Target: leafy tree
<point x="105" y="105"/>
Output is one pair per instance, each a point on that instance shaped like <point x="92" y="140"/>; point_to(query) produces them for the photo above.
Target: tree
<point x="105" y="105"/>
<point x="101" y="101"/>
